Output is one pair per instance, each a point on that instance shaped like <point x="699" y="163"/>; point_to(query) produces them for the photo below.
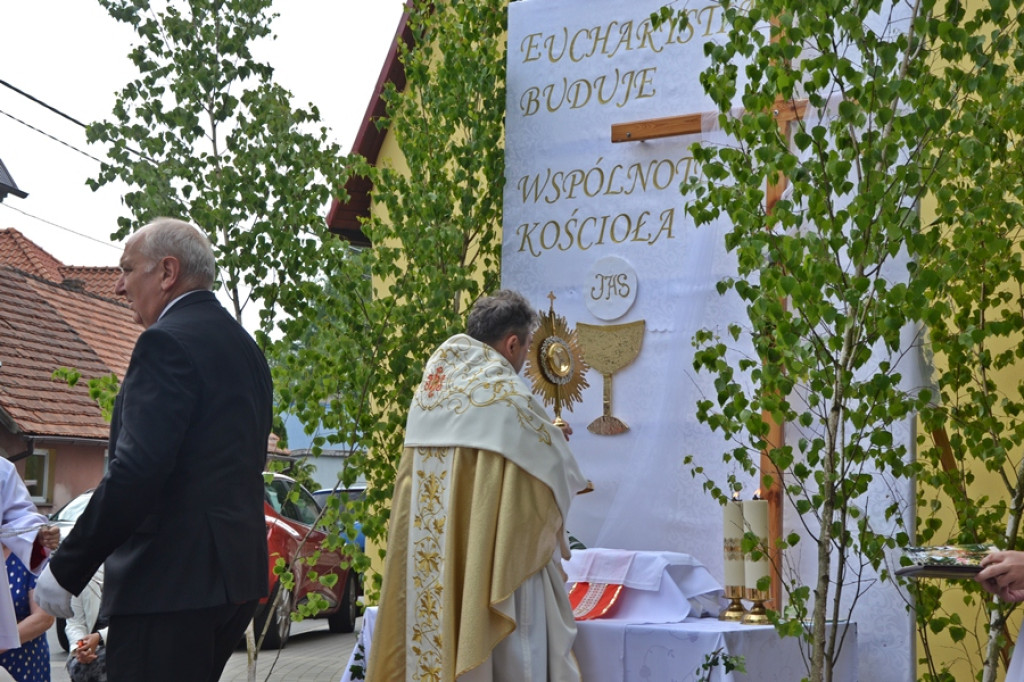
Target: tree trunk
<point x="250" y="653"/>
<point x="996" y="620"/>
<point x="819" y="619"/>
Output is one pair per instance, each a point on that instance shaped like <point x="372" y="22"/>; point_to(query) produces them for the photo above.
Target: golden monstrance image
<point x="555" y="363"/>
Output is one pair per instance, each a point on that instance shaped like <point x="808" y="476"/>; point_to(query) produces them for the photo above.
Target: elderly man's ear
<point x="170" y="270"/>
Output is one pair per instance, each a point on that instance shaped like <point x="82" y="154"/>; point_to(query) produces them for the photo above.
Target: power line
<point x="63" y="115"/>
<point x="55" y="139"/>
<point x="61" y="227"/>
<point x="42" y="103"/>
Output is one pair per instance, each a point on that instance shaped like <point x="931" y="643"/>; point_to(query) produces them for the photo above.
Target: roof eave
<point x="345" y="217"/>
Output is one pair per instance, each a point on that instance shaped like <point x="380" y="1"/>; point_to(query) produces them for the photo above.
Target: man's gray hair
<point x="172" y="237"/>
<point x="496" y="316"/>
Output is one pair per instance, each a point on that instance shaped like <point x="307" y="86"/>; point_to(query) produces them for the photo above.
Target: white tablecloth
<point x="658" y="587"/>
<point x="654" y="634"/>
<point x="361" y="652"/>
<point x="616" y="651"/>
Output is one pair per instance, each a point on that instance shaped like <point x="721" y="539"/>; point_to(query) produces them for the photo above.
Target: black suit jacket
<point x="178" y="518"/>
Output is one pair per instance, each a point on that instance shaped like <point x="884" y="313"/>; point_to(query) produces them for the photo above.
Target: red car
<point x="288" y="522"/>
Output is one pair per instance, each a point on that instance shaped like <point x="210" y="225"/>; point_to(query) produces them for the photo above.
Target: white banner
<point x="601" y="226"/>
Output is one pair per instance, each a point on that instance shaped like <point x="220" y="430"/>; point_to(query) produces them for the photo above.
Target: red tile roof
<point x="19" y="252"/>
<point x="96" y="280"/>
<point x="48" y="321"/>
<point x="272" y="445"/>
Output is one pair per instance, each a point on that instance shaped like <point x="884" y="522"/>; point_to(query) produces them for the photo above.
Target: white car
<point x="65" y="517"/>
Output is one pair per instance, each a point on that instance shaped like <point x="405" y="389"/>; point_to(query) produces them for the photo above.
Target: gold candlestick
<point x="758" y="614"/>
<point x="735" y="611"/>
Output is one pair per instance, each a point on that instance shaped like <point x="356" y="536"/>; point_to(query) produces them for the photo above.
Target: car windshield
<point x="302" y="508"/>
<point x="73" y="509"/>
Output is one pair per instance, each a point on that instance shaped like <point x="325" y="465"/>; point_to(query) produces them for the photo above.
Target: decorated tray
<point x="943" y="561"/>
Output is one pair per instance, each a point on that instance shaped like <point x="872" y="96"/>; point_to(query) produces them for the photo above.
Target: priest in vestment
<point x="473" y="587"/>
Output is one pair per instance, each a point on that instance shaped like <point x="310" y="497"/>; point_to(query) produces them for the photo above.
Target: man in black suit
<point x="178" y="518"/>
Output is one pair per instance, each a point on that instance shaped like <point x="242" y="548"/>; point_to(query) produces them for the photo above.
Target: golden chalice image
<point x="609" y="348"/>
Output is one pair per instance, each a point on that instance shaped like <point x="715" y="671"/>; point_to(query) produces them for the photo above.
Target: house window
<point x="38" y="475"/>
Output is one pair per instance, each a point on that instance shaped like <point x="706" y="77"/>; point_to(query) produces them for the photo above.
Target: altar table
<point x="617" y="651"/>
<point x="653" y="630"/>
<point x="613" y="651"/>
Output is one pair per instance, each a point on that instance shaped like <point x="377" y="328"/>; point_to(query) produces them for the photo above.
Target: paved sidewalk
<point x="313" y="654"/>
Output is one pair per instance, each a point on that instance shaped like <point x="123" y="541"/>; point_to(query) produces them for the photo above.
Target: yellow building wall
<point x="965" y="658"/>
<point x="390" y="156"/>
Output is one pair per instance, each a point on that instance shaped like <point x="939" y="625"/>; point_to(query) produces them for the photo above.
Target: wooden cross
<point x="785" y="112"/>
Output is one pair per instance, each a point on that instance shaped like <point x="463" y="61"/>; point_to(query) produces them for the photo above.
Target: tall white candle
<point x="732" y="542"/>
<point x="755" y="520"/>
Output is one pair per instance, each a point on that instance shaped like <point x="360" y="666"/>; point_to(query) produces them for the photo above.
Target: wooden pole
<point x="776" y="439"/>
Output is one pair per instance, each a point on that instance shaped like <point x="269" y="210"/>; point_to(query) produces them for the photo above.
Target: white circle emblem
<point x="610" y="289"/>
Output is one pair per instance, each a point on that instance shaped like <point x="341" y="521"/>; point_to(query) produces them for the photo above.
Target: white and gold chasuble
<point x="472" y="584"/>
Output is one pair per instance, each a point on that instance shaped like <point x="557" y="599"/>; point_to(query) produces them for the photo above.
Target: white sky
<point x="73" y="56"/>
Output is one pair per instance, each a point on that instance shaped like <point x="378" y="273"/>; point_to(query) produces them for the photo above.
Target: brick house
<point x="53" y="315"/>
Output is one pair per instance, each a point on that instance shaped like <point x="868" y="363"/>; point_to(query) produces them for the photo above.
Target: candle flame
<point x="757" y="494"/>
<point x="735" y="495"/>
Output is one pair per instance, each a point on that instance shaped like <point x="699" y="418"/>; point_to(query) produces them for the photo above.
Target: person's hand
<point x="51" y="597"/>
<point x="1002" y="574"/>
<point x="85" y="650"/>
<point x="49" y="537"/>
<point x="566" y="429"/>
